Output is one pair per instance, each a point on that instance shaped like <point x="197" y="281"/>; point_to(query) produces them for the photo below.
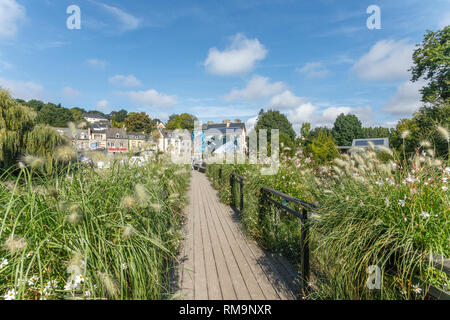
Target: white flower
<point x="30" y="254"/>
<point x="401" y="202"/>
<point x="447" y="169"/>
<point x="388" y="203"/>
<point x="444" y="180"/>
<point x="379" y="182"/>
<point x="11" y="295"/>
<point x="444" y="188"/>
<point x="33" y="280"/>
<point x="416" y="288"/>
<point x="87" y="293"/>
<point x="124" y="266"/>
<point x="425" y="215"/>
<point x="3" y="263"/>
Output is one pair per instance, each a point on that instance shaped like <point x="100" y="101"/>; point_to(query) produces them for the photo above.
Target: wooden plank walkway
<point x="218" y="261"/>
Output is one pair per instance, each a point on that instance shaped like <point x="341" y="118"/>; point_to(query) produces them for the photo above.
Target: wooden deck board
<point x="219" y="262"/>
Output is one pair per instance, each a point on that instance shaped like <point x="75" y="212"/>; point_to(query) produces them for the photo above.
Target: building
<point x="174" y="141"/>
<point x="117" y="141"/>
<point x="92" y="118"/>
<point x="364" y="143"/>
<point x="216" y="137"/>
<point x="137" y="141"/>
<point x="79" y="137"/>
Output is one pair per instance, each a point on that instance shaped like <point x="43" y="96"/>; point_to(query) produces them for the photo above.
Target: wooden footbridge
<point x="219" y="262"/>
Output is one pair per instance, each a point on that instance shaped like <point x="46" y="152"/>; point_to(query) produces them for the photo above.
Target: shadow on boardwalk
<point x="218" y="261"/>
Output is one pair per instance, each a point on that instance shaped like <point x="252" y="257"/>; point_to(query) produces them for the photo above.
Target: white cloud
<point x="240" y="57"/>
<point x="152" y="98"/>
<point x="286" y="99"/>
<point x="314" y="70"/>
<point x="102" y="105"/>
<point x="406" y="99"/>
<point x="70" y="93"/>
<point x="11" y="14"/>
<point x="23" y="90"/>
<point x="128" y="21"/>
<point x="257" y="88"/>
<point x="97" y="63"/>
<point x="125" y="81"/>
<point x="386" y="60"/>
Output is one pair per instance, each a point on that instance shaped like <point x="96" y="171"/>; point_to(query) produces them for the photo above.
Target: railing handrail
<point x="238" y="176"/>
<point x="290" y="198"/>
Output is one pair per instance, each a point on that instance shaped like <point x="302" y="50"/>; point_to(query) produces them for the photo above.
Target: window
<point x="117" y="135"/>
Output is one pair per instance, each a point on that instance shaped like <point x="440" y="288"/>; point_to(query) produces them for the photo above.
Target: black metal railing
<point x="267" y="195"/>
<point x="235" y="178"/>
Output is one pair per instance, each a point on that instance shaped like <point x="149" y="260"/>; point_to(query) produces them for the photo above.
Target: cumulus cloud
<point x="314" y="70"/>
<point x="285" y="100"/>
<point x="406" y="99"/>
<point x="238" y="58"/>
<point x="11" y="14"/>
<point x="152" y="98"/>
<point x="125" y="81"/>
<point x="97" y="63"/>
<point x="70" y="93"/>
<point x="386" y="60"/>
<point x="128" y="21"/>
<point x="25" y="90"/>
<point x="257" y="88"/>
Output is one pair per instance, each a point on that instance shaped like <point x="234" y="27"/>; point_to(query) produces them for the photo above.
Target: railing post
<point x="220" y="173"/>
<point x="231" y="190"/>
<point x="242" y="196"/>
<point x="305" y="250"/>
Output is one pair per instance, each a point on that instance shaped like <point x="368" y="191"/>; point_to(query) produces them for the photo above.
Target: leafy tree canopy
<point x="346" y="128"/>
<point x="324" y="147"/>
<point x="139" y="122"/>
<point x="54" y="115"/>
<point x="432" y="62"/>
<point x="273" y="119"/>
<point x="181" y="121"/>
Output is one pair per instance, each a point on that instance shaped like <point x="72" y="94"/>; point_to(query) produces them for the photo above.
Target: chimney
<point x="227" y="122"/>
<point x="237" y="121"/>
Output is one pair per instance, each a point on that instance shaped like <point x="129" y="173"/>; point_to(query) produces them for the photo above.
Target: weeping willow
<point x="19" y="134"/>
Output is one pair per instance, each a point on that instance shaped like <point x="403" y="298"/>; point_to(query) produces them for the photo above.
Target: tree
<point x="119" y="116"/>
<point x="324" y="147"/>
<point x="139" y="122"/>
<point x="273" y="119"/>
<point x="54" y="115"/>
<point x="19" y="134"/>
<point x="346" y="128"/>
<point x="77" y="114"/>
<point x="432" y="61"/>
<point x="181" y="121"/>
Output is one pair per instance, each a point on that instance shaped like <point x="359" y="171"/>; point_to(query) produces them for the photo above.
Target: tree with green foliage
<point x="273" y="119"/>
<point x="376" y="132"/>
<point x="119" y="116"/>
<point x="139" y="122"/>
<point x="77" y="114"/>
<point x="20" y="136"/>
<point x="324" y="147"/>
<point x="54" y="115"/>
<point x="432" y="62"/>
<point x="181" y="121"/>
<point x="346" y="128"/>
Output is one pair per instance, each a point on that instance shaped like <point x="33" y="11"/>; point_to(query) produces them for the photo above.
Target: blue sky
<point x="312" y="60"/>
